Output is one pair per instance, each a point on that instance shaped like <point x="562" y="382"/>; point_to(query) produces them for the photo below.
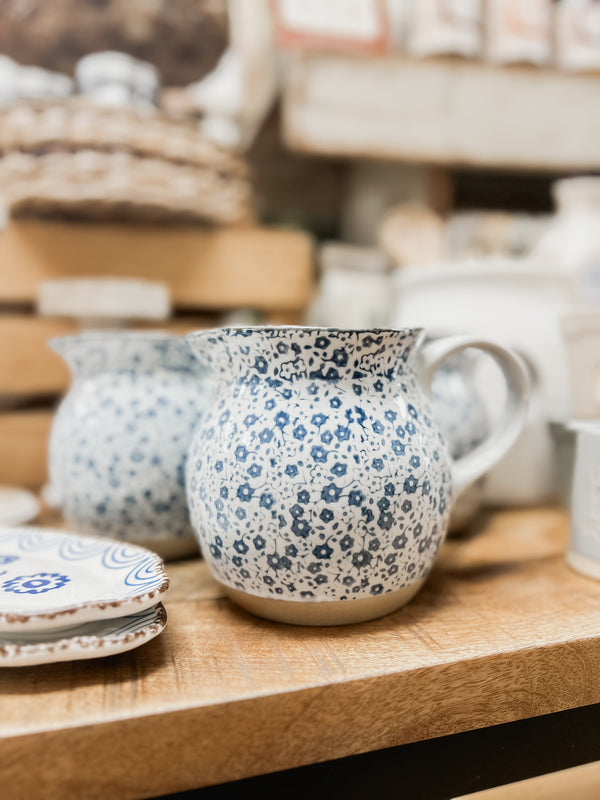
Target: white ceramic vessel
<point x="581" y="330"/>
<point x="583" y="552"/>
<point x="440" y="28"/>
<point x="97" y="639"/>
<point x="519" y="304"/>
<point x="115" y="78"/>
<point x="571" y="245"/>
<point x="319" y="482"/>
<point x="17" y="506"/>
<point x="354" y="287"/>
<point x="52" y="579"/>
<point x="518" y="32"/>
<point x="577" y="35"/>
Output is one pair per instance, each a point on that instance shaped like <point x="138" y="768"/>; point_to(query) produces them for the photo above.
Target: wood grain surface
<point x="502" y="631"/>
<point x="24" y="447"/>
<point x="580" y="783"/>
<point x="259" y="268"/>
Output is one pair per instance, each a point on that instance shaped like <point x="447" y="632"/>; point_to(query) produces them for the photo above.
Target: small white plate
<point x="17" y="506"/>
<point x="90" y="640"/>
<point x="52" y="579"/>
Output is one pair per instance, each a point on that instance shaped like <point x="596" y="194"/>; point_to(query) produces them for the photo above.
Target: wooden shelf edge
<point x="210" y="743"/>
<point x="452" y="112"/>
<point x="261" y="268"/>
<point x="24" y="447"/>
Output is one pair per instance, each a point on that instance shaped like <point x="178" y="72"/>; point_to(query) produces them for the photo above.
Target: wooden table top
<point x="502" y="631"/>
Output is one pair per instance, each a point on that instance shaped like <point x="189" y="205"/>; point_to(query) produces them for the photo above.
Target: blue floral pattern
<point x="36" y="584"/>
<point x="337" y="478"/>
<point x="120" y="437"/>
<point x="458" y="407"/>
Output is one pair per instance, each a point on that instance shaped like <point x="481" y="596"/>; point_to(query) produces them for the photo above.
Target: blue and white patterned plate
<point x="97" y="639"/>
<point x="51" y="579"/>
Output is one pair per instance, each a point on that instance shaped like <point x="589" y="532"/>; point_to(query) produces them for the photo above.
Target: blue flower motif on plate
<point x="36" y="584"/>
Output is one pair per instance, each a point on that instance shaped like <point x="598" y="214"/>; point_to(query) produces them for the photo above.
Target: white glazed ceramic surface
<point x="89" y="640"/>
<point x="52" y="579"/>
<point x="581" y="330"/>
<point x="354" y="288"/>
<point x="577" y="40"/>
<point x="584" y="546"/>
<point x="17" y="506"/>
<point x="440" y="29"/>
<point x="518" y="303"/>
<point x="319" y="472"/>
<point x="117" y="78"/>
<point x="120" y="437"/>
<point x="571" y="245"/>
<point x="518" y="32"/>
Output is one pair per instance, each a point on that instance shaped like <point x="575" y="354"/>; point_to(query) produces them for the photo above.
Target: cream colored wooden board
<point x="442" y="111"/>
<point x="217" y="269"/>
<point x="580" y="783"/>
<point x="23" y="449"/>
<point x="502" y="631"/>
<point x="29" y="367"/>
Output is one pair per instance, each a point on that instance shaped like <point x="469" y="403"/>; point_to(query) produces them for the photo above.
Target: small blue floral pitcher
<point x="319" y="484"/>
<point x="120" y="437"/>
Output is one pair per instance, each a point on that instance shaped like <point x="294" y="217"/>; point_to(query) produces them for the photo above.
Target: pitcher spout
<point x="93" y="352"/>
<point x="289" y="353"/>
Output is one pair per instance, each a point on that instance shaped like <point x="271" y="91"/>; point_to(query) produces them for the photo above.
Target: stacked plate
<point x="65" y="597"/>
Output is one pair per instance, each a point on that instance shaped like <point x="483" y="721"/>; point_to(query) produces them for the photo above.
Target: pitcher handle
<point x="470" y="467"/>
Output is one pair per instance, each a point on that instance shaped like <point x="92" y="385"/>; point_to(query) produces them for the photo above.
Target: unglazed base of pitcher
<point x="324" y="612"/>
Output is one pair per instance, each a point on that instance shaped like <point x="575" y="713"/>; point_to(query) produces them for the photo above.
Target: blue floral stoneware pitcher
<point x="119" y="440"/>
<point x="318" y="482"/>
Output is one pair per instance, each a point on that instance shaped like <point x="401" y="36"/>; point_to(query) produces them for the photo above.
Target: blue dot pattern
<point x="120" y="437"/>
<point x="318" y="474"/>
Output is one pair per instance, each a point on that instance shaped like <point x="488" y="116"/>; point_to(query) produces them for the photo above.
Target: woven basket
<point x="77" y="159"/>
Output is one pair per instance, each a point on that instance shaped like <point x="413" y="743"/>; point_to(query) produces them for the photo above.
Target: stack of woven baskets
<point x="74" y="158"/>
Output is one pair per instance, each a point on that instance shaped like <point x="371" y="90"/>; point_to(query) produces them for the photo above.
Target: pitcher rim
<point x="150" y="336"/>
<point x="320" y="328"/>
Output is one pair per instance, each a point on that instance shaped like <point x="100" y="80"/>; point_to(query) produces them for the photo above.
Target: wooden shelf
<point x="444" y="111"/>
<point x="225" y="268"/>
<point x="502" y="631"/>
<point x="29" y="367"/>
<point x="24" y="447"/>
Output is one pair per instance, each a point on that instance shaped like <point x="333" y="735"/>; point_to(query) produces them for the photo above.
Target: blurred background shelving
<point x="451" y="112"/>
<point x="208" y="273"/>
<point x="180" y="164"/>
<point x="208" y="146"/>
